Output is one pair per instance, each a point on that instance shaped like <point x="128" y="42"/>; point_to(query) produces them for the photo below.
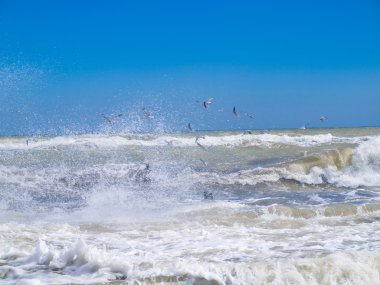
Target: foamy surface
<point x="275" y="207"/>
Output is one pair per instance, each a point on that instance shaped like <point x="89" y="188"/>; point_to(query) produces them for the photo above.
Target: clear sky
<point x="63" y="63"/>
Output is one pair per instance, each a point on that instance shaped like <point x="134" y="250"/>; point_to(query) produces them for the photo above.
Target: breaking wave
<point x="160" y="209"/>
<point x="80" y="261"/>
<point x="227" y="140"/>
<point x="344" y="168"/>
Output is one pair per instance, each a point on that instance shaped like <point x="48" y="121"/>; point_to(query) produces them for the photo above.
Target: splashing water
<point x="286" y="208"/>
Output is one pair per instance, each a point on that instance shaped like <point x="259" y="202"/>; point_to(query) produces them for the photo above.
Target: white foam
<point x="162" y="231"/>
<point x="243" y="177"/>
<point x="29" y="282"/>
<point x="199" y="247"/>
<point x="231" y="140"/>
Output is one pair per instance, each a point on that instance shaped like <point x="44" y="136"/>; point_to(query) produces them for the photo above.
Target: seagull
<point x="111" y="119"/>
<point x="322" y="118"/>
<point x="189" y="127"/>
<point x="249" y="115"/>
<point x="235" y="112"/>
<point x="207" y="102"/>
<point x="147" y="114"/>
<point x="201" y="146"/>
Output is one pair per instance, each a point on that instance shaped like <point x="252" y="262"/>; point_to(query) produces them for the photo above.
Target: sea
<point x="204" y="208"/>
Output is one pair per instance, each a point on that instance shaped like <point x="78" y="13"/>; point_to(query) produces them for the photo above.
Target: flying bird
<point x="249" y="115"/>
<point x="201" y="146"/>
<point x="190" y="128"/>
<point x="111" y="119"/>
<point x="147" y="113"/>
<point x="207" y="102"/>
<point x="322" y="118"/>
<point x="235" y="112"/>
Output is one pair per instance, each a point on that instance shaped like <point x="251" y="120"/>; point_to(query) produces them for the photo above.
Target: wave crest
<point x="343" y="168"/>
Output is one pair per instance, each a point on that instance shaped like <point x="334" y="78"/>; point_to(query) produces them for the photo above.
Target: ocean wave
<point x="344" y="168"/>
<point x="45" y="189"/>
<point x="335" y="210"/>
<point x="53" y="181"/>
<point x="136" y="209"/>
<point x="81" y="263"/>
<point x="230" y="140"/>
<point x="73" y="178"/>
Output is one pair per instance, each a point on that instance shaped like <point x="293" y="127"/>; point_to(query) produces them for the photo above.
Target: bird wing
<point x="107" y="118"/>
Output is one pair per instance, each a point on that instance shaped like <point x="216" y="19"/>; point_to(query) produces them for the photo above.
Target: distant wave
<point x="346" y="167"/>
<point x="230" y="140"/>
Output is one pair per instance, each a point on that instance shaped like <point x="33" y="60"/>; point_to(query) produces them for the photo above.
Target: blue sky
<point x="63" y="63"/>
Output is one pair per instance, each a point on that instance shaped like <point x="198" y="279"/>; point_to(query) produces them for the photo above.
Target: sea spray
<point x="287" y="207"/>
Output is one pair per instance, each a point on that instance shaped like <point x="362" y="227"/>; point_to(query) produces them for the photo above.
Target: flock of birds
<point x="111" y="119"/>
<point x="207" y="195"/>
